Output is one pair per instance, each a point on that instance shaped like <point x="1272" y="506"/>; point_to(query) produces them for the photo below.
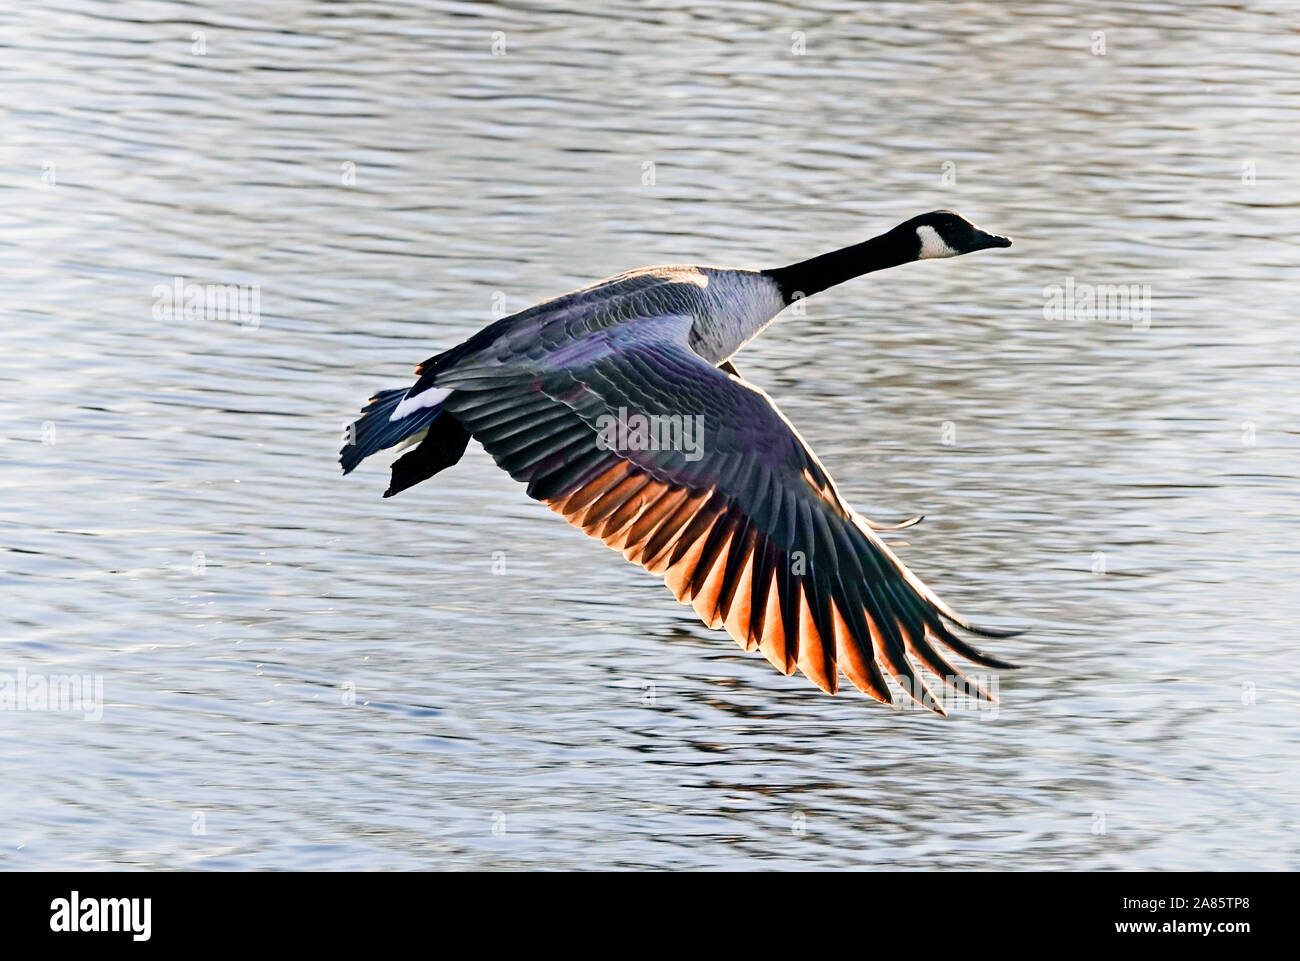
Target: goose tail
<point x="376" y="430"/>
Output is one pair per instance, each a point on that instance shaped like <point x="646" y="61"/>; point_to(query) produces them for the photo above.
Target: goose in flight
<point x="619" y="406"/>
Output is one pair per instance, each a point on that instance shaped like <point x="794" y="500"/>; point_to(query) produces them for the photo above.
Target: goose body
<point x="736" y="514"/>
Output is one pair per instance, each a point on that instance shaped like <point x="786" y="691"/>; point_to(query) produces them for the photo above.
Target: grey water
<point x="1100" y="425"/>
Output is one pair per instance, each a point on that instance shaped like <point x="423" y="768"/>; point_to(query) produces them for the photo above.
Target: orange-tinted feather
<point x="812" y="654"/>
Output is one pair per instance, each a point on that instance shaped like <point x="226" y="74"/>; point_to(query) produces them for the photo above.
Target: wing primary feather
<point x="713" y="544"/>
<point x="893" y="649"/>
<point x="706" y="598"/>
<point x="825" y="566"/>
<point x="885" y="635"/>
<point x="698" y="526"/>
<point x="860" y="632"/>
<point x="966" y="625"/>
<point x="923" y="694"/>
<point x="966" y="650"/>
<point x="787" y="585"/>
<point x="742" y="544"/>
<point x="913" y="624"/>
<point x="939" y="665"/>
<point x="816" y="662"/>
<point x="899" y="526"/>
<point x="760" y="585"/>
<point x="775" y="641"/>
<point x="818" y="601"/>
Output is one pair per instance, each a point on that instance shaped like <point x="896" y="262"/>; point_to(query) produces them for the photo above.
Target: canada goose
<point x="619" y="407"/>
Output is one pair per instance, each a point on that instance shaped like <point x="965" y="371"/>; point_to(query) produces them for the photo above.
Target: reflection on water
<point x="299" y="674"/>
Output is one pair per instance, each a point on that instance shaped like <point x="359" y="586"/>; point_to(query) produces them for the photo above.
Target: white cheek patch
<point x="932" y="245"/>
<point x="428" y="398"/>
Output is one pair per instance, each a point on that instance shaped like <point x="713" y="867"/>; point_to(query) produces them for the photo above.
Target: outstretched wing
<point x="737" y="514"/>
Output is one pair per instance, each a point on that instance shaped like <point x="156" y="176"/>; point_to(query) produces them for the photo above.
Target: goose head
<point x="942" y="233"/>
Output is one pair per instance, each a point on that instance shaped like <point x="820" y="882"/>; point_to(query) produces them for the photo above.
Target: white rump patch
<point x="932" y="245"/>
<point x="426" y="398"/>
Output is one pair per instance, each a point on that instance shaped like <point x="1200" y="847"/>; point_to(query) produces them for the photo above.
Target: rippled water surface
<point x="299" y="674"/>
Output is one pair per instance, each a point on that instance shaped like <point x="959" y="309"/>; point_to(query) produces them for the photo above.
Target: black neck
<point x="813" y="276"/>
